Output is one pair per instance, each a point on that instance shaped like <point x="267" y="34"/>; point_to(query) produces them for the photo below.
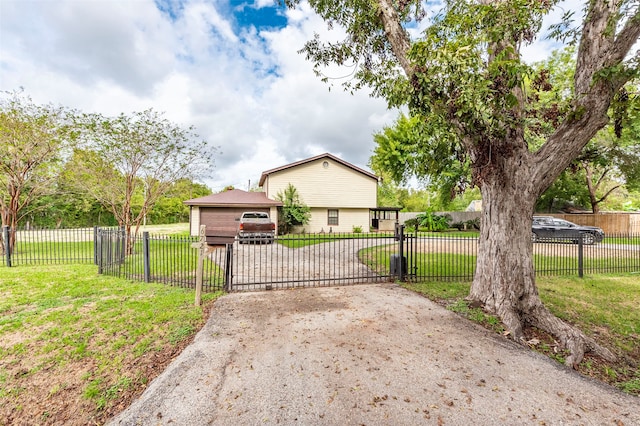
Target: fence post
<point x="146" y="261"/>
<point x="98" y="249"/>
<point x="401" y="267"/>
<point x="201" y="245"/>
<point x="228" y="270"/>
<point x="95" y="245"/>
<point x="580" y="257"/>
<point x="124" y="245"/>
<point x="7" y="244"/>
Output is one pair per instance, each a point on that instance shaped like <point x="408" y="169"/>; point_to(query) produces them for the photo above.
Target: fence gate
<point x="312" y="261"/>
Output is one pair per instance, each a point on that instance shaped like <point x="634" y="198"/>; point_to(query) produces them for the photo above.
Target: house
<point x="339" y="194"/>
<point x="220" y="211"/>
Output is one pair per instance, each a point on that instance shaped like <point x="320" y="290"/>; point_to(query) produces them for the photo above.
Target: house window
<point x="332" y="217"/>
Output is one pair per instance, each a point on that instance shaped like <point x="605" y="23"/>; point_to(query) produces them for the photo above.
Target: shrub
<point x="429" y="221"/>
<point x="459" y="225"/>
<point x="293" y="211"/>
<point x="473" y="223"/>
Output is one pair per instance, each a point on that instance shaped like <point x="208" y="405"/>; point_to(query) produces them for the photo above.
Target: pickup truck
<point x="256" y="227"/>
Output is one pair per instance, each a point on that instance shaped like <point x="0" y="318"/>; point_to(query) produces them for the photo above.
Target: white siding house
<point x="339" y="194"/>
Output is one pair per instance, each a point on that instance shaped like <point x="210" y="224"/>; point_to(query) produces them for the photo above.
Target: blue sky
<point x="230" y="68"/>
<point x="266" y="17"/>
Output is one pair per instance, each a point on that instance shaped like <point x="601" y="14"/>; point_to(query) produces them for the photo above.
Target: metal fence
<point x="312" y="260"/>
<point x="47" y="246"/>
<point x="442" y="258"/>
<point x="157" y="258"/>
<point x="300" y="260"/>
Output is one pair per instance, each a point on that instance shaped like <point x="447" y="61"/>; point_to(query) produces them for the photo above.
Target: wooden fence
<point x="611" y="223"/>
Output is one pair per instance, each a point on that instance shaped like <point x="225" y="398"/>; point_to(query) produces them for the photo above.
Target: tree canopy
<point x="33" y="139"/>
<point x="462" y="74"/>
<point x="142" y="155"/>
<point x="606" y="164"/>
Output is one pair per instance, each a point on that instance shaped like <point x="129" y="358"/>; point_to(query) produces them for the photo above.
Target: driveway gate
<point x="313" y="261"/>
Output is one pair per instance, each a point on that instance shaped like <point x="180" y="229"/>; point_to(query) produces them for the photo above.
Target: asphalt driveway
<point x="364" y="355"/>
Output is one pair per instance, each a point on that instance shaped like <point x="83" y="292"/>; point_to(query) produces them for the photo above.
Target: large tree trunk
<point x="504" y="272"/>
<point x="504" y="282"/>
<point x="510" y="177"/>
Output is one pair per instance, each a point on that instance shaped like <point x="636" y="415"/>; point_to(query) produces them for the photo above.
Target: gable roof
<point x="234" y="198"/>
<point x="264" y="175"/>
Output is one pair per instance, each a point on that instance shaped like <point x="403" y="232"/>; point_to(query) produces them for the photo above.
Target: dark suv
<point x="548" y="228"/>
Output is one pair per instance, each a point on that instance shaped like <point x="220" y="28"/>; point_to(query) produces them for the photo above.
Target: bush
<point x="473" y="223"/>
<point x="429" y="221"/>
<point x="293" y="211"/>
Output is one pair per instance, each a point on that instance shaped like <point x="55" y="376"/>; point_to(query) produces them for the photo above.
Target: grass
<point x="605" y="307"/>
<point x="303" y="240"/>
<point x="622" y="240"/>
<point x="66" y="331"/>
<point x="448" y="265"/>
<point x="68" y="334"/>
<point x="173" y="259"/>
<point x="74" y="245"/>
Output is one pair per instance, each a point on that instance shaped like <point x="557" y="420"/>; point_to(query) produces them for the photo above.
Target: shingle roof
<point x="234" y="198"/>
<point x="309" y="160"/>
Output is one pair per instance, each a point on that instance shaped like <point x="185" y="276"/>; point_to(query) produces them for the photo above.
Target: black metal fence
<point x="157" y="258"/>
<point x="300" y="260"/>
<point x="438" y="257"/>
<point x="47" y="246"/>
<point x="312" y="260"/>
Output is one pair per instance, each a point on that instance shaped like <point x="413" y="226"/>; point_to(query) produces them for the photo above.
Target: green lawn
<point x="67" y="329"/>
<point x="634" y="240"/>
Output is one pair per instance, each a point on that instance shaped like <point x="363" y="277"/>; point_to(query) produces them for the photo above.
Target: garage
<point x="220" y="211"/>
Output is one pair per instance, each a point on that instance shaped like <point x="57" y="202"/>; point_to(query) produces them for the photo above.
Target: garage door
<point x="223" y="219"/>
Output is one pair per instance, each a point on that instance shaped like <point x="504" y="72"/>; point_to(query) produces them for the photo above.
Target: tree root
<point x="569" y="337"/>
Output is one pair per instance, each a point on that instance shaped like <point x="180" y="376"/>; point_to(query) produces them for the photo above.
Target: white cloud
<point x="246" y="90"/>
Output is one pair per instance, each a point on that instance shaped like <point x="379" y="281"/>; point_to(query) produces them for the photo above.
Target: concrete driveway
<point x="364" y="355"/>
<point x="322" y="264"/>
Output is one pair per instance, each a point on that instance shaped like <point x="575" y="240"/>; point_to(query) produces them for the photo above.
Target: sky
<point x="230" y="68"/>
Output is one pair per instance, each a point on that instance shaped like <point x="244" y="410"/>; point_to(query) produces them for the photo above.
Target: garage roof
<point x="234" y="198"/>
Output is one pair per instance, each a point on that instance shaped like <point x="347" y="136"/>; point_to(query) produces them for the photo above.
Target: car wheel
<point x="588" y="238"/>
<point x="534" y="237"/>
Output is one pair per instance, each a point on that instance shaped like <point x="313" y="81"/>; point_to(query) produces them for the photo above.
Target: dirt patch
<point x="56" y="396"/>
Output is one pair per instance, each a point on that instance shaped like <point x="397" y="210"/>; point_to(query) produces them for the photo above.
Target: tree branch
<point x="599" y="49"/>
<point x="626" y="38"/>
<point x="396" y="35"/>
<point x="604" y="197"/>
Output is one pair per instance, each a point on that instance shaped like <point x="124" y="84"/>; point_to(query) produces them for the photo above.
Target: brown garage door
<point x="221" y="221"/>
